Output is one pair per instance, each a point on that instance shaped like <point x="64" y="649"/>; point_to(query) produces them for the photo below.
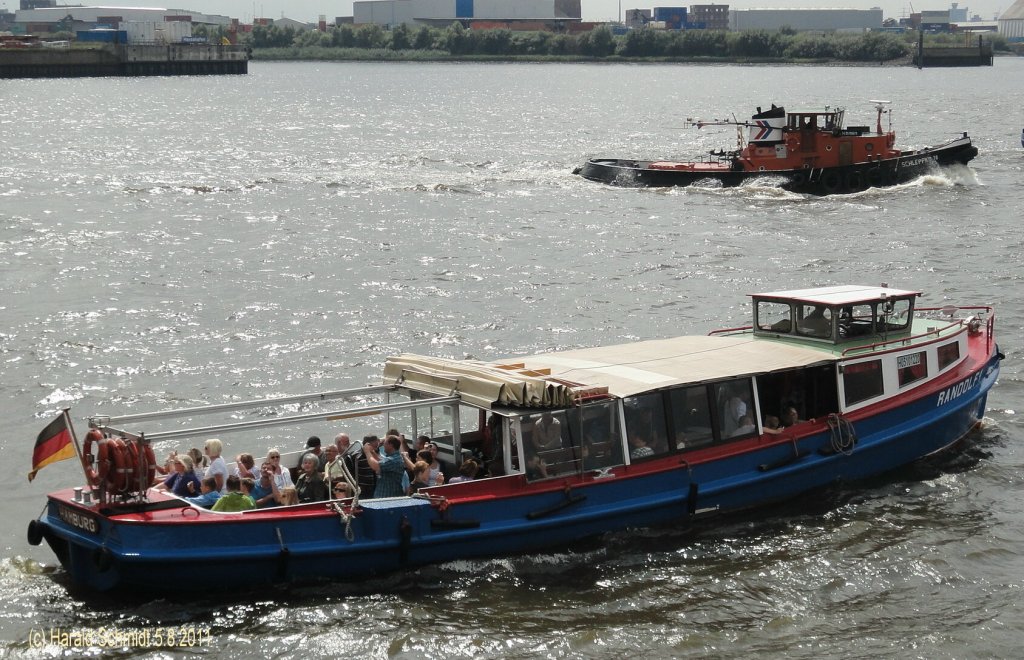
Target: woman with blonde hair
<point x="218" y="468"/>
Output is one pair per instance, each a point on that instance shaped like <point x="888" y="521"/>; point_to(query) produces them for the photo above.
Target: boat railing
<point x="243" y="405"/>
<point x="935" y="332"/>
<point x="729" y="331"/>
<point x="105" y="423"/>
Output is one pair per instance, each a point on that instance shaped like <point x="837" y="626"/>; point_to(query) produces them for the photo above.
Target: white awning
<point x="557" y="379"/>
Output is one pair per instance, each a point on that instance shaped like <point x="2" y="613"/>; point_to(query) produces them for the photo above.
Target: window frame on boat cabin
<point x="896" y="365"/>
<point x="580" y="450"/>
<point x="667" y="417"/>
<point x="787" y="316"/>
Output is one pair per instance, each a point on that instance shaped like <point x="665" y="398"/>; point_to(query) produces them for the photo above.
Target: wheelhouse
<point x="835" y="315"/>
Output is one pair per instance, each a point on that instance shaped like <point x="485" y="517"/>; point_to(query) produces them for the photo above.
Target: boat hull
<point x="178" y="548"/>
<point x="826" y="181"/>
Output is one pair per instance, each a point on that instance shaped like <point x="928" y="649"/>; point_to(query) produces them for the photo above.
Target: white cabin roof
<point x="838" y="295"/>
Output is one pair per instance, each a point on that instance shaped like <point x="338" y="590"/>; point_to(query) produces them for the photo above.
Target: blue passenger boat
<point x="834" y="383"/>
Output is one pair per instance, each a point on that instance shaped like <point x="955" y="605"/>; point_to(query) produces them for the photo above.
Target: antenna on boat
<point x="880" y="108"/>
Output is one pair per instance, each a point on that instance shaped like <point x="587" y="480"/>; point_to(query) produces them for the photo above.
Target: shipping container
<point x="102" y="36"/>
<point x="673" y="17"/>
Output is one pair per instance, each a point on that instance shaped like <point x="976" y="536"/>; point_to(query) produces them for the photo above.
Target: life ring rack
<point x="119" y="466"/>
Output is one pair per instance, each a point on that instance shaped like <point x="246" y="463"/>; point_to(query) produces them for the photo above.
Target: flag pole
<point x="78" y="448"/>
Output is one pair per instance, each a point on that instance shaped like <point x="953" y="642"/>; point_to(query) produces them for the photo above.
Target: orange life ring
<point x="93" y="436"/>
<point x="149" y="467"/>
<point x="118" y="455"/>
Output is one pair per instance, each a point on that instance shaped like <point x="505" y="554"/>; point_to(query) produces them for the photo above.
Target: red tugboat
<point x="812" y="151"/>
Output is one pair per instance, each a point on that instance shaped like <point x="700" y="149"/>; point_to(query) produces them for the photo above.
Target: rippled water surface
<point x="178" y="241"/>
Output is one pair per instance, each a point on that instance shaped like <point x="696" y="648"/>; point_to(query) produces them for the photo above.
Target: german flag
<point x="52" y="445"/>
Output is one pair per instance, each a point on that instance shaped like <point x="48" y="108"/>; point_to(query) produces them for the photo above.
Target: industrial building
<point x="806" y="19"/>
<point x="76" y="19"/>
<point x="441" y="13"/>
<point x="709" y="17"/>
<point x="1011" y="22"/>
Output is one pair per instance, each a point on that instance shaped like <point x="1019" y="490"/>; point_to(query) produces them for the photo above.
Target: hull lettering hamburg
<point x="80" y="520"/>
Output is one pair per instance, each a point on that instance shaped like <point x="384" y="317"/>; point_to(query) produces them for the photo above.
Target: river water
<point x="178" y="241"/>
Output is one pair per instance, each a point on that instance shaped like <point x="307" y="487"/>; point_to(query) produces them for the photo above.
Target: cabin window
<point x="814" y="321"/>
<point x="948" y="354"/>
<point x="911" y="368"/>
<point x="734" y="400"/>
<point x="691" y="417"/>
<point x="894" y="314"/>
<point x="599" y="440"/>
<point x="549" y="453"/>
<point x="862" y="381"/>
<point x="856" y="320"/>
<point x="773" y="316"/>
<point x="645" y="425"/>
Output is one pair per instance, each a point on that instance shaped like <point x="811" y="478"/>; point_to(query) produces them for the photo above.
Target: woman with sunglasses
<point x="282" y="477"/>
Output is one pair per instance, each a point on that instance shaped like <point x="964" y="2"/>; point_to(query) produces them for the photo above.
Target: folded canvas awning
<point x="559" y="379"/>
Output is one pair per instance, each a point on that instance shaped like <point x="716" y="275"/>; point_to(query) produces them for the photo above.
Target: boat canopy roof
<point x="835" y="296"/>
<point x="562" y="379"/>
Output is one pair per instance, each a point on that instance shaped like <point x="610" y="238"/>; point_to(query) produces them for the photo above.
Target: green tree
<point x="343" y="36"/>
<point x="424" y="39"/>
<point x="370" y="35"/>
<point x="455" y="40"/>
<point x="401" y="37"/>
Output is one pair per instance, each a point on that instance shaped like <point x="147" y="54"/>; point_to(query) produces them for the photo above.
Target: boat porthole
<point x="761" y="169"/>
<point x="828" y="147"/>
<point x="35" y="532"/>
<point x="869" y="147"/>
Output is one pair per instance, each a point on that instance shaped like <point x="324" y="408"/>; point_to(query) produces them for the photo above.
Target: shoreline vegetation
<point x="457" y="44"/>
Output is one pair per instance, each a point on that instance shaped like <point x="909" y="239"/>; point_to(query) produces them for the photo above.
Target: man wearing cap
<point x="313" y="447"/>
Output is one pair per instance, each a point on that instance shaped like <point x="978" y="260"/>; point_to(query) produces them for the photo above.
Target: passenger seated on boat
<point x="234" y="499"/>
<point x="248" y="485"/>
<point x="735" y="409"/>
<point x="420" y="477"/>
<point x="245" y="466"/>
<point x="439" y="466"/>
<point x="547" y="433"/>
<point x="218" y="468"/>
<point x="183" y="482"/>
<point x="310" y="486"/>
<point x="772" y="424"/>
<point x="313" y="447"/>
<point x="332" y="467"/>
<point x="790" y="417"/>
<point x="467" y="471"/>
<point x="745" y="426"/>
<point x="199" y="462"/>
<point x="282" y="477"/>
<point x="265" y="492"/>
<point x="390" y="468"/>
<point x="536" y="468"/>
<point x="209" y="493"/>
<point x="639" y="447"/>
